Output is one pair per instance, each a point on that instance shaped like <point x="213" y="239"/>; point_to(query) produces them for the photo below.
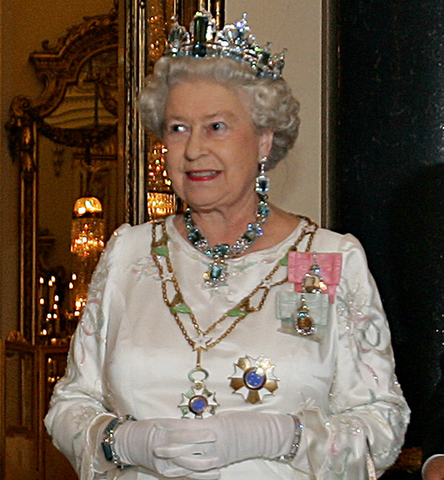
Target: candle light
<point x="52" y="289"/>
<point x="41" y="302"/>
<point x="71" y="297"/>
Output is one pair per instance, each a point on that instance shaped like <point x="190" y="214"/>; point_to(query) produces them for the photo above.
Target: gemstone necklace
<point x="217" y="272"/>
<point x="199" y="401"/>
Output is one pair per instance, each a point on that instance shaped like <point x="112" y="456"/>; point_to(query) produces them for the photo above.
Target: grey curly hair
<point x="272" y="105"/>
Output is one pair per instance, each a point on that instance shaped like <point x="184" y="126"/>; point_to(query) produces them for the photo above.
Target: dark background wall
<point x="390" y="173"/>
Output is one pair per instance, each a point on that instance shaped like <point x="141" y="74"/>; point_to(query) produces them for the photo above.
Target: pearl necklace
<point x="217" y="272"/>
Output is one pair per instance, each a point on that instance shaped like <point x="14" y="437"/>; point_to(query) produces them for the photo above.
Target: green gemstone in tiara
<point x="235" y="41"/>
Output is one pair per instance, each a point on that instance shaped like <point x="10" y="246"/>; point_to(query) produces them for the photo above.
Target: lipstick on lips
<point x="202" y="175"/>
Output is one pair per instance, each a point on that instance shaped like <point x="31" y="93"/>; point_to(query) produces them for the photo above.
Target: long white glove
<point x="136" y="442"/>
<point x="239" y="436"/>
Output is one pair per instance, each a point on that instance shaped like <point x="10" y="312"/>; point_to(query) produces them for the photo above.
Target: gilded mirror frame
<point x="137" y="30"/>
<point x="57" y="67"/>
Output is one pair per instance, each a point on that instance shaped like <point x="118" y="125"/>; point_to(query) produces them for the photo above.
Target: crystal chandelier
<point x="87" y="243"/>
<point x="88" y="228"/>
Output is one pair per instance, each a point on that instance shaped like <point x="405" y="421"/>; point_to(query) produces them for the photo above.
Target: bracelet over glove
<point x="133" y="443"/>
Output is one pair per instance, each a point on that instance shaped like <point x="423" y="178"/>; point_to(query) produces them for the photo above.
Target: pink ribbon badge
<point x="299" y="264"/>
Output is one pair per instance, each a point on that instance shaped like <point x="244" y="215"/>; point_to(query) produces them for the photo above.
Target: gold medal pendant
<point x="303" y="323"/>
<point x="254" y="378"/>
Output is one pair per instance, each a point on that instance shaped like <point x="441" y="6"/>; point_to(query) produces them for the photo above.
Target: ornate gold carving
<point x="16" y="337"/>
<point x="58" y="65"/>
<point x="158" y="33"/>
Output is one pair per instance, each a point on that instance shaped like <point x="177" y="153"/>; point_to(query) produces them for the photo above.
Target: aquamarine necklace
<point x="217" y="272"/>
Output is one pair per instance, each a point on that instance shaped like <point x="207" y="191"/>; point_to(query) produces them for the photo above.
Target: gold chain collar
<point x="159" y="249"/>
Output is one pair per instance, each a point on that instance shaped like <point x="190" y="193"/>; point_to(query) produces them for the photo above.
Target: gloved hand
<point x="136" y="442"/>
<point x="236" y="436"/>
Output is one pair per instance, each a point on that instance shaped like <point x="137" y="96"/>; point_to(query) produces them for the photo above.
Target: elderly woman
<point x="234" y="340"/>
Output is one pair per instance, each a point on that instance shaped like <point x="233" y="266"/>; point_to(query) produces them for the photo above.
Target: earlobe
<point x="265" y="143"/>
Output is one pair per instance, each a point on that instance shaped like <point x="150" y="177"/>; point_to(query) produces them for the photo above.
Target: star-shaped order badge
<point x="198" y="402"/>
<point x="254" y="378"/>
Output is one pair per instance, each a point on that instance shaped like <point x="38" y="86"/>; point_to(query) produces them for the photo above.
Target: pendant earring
<point x="262" y="180"/>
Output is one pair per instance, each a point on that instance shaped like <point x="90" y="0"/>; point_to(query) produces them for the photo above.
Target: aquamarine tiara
<point x="235" y="41"/>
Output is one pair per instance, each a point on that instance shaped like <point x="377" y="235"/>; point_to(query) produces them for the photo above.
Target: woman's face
<point x="212" y="147"/>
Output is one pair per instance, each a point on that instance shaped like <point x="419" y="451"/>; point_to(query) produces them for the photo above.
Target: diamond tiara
<point x="235" y="41"/>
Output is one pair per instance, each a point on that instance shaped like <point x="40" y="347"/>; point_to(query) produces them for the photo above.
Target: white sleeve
<point x="78" y="414"/>
<point x="367" y="411"/>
